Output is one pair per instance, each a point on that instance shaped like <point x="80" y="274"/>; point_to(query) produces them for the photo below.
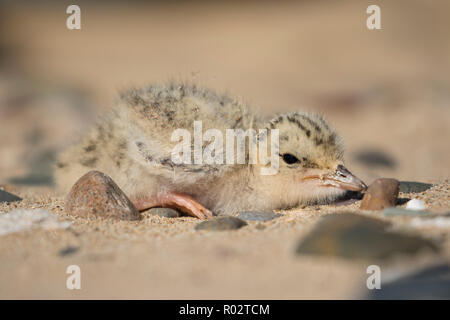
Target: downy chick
<point x="134" y="144"/>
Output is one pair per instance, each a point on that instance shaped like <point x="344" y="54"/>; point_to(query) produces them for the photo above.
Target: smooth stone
<point x="382" y="193"/>
<point x="32" y="179"/>
<point x="8" y="197"/>
<point x="68" y="250"/>
<point x="414" y="187"/>
<point x="260" y="226"/>
<point x="97" y="195"/>
<point x="430" y="283"/>
<point x="221" y="224"/>
<point x="354" y="236"/>
<point x="40" y="171"/>
<point x="375" y="158"/>
<point x="258" y="215"/>
<point x="415" y="204"/>
<point x="393" y="211"/>
<point x="163" y="212"/>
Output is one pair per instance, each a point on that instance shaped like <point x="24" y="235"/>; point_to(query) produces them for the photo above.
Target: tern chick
<point x="134" y="145"/>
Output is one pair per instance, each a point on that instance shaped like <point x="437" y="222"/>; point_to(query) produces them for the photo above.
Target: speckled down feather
<point x="132" y="144"/>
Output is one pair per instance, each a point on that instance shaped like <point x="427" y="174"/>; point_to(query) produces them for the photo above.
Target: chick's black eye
<point x="289" y="158"/>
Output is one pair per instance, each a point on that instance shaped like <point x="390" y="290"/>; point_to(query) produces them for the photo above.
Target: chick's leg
<point x="178" y="201"/>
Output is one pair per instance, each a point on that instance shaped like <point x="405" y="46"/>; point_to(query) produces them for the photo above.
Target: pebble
<point x="355" y="236"/>
<point x="382" y="193"/>
<point x="163" y="212"/>
<point x="430" y="283"/>
<point x="415" y="204"/>
<point x="8" y="197"/>
<point x="414" y="187"/>
<point x="375" y="158"/>
<point x="68" y="251"/>
<point x="29" y="219"/>
<point x="221" y="224"/>
<point x="97" y="195"/>
<point x="258" y="215"/>
<point x="40" y="170"/>
<point x="402" y="212"/>
<point x="260" y="226"/>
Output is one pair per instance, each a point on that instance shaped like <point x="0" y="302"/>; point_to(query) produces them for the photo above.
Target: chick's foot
<point x="181" y="202"/>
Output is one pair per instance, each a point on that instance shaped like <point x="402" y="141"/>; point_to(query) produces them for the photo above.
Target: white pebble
<point x="24" y="219"/>
<point x="415" y="204"/>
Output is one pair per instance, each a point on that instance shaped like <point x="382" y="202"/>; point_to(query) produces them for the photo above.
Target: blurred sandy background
<point x="386" y="91"/>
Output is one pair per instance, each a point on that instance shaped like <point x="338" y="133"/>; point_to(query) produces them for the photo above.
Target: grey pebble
<point x="163" y="212"/>
<point x="393" y="211"/>
<point x="414" y="187"/>
<point x="68" y="250"/>
<point x="355" y="236"/>
<point x="40" y="171"/>
<point x="430" y="283"/>
<point x="258" y="215"/>
<point x="8" y="197"/>
<point x="375" y="158"/>
<point x="221" y="224"/>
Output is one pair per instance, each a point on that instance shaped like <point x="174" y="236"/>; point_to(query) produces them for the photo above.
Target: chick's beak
<point x="342" y="178"/>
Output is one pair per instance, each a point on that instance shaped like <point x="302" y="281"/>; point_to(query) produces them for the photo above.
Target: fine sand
<point x="385" y="91"/>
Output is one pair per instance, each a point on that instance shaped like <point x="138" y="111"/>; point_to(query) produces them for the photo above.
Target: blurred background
<point x="386" y="91"/>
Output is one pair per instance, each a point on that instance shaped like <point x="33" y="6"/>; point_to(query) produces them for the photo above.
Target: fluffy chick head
<point x="311" y="166"/>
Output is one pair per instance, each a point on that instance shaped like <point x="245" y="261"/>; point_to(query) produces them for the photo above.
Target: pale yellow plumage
<point x="133" y="145"/>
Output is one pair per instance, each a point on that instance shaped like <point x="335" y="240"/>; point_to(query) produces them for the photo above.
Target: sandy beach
<point x="387" y="92"/>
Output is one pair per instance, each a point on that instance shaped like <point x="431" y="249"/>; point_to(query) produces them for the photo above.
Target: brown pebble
<point x="260" y="226"/>
<point x="97" y="195"/>
<point x="382" y="193"/>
